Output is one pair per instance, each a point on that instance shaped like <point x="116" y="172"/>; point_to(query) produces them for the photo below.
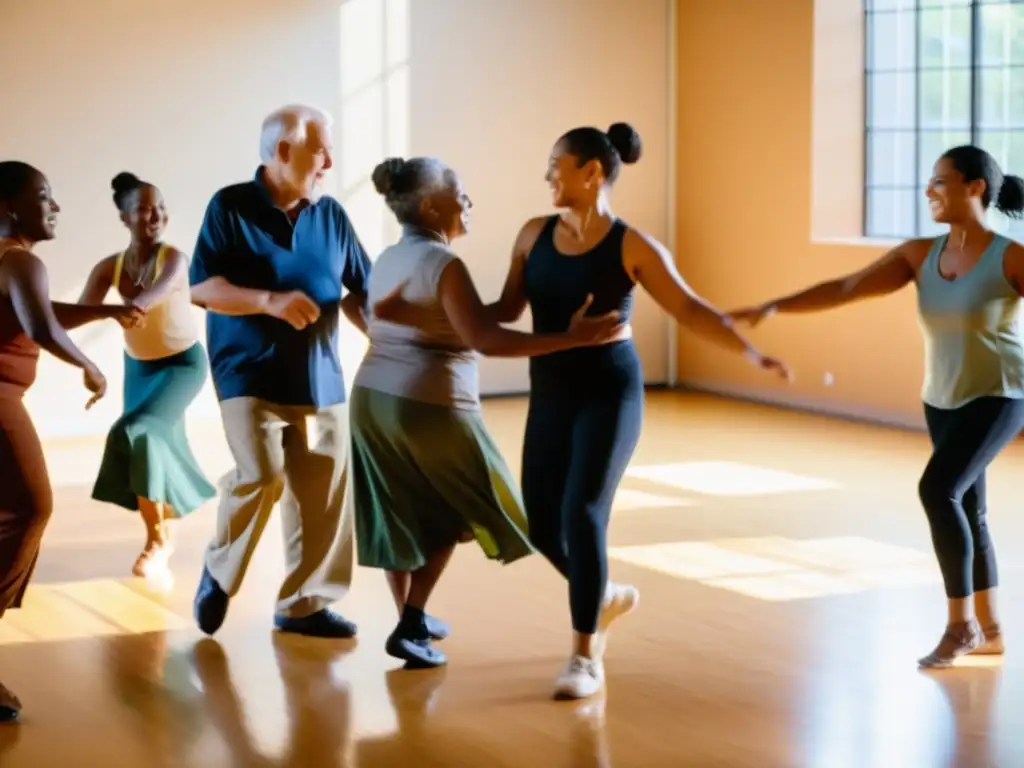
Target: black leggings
<point x="581" y="430"/>
<point x="965" y="440"/>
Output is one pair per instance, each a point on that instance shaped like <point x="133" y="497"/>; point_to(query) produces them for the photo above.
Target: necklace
<point x="139" y="273"/>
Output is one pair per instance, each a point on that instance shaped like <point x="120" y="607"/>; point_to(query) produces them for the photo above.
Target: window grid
<point x="937" y="73"/>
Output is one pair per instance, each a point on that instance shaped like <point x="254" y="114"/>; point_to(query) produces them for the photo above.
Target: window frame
<point x="975" y="128"/>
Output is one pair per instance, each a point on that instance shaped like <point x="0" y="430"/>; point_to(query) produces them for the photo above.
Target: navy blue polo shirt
<point x="251" y="243"/>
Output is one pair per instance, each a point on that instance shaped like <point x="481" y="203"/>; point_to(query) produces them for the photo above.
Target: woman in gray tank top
<point x="969" y="283"/>
<point x="425" y="472"/>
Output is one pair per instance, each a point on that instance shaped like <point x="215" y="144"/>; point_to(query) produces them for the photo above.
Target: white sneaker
<point x="619" y="599"/>
<point x="582" y="677"/>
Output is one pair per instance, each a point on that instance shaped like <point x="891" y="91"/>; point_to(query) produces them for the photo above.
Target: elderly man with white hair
<point x="268" y="267"/>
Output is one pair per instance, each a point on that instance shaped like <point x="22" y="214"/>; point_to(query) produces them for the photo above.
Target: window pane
<point x="397" y="22"/>
<point x="1007" y="147"/>
<point x="891" y="99"/>
<point x="925" y="95"/>
<point x="890" y="158"/>
<point x="890" y="212"/>
<point x="945" y="98"/>
<point x="360" y="144"/>
<point x="1001" y="97"/>
<point x="946" y="37"/>
<point x="1001" y="38"/>
<point x="885" y="5"/>
<point x="932" y="145"/>
<point x="891" y="41"/>
<point x="362" y="44"/>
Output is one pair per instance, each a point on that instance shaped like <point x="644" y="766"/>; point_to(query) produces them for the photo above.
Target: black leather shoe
<point x="325" y="623"/>
<point x="211" y="604"/>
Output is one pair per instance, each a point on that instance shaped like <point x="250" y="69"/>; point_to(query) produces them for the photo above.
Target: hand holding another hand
<point x="752" y="316"/>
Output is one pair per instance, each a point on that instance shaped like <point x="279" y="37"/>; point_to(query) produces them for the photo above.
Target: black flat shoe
<point x="210" y="606"/>
<point x="323" y="623"/>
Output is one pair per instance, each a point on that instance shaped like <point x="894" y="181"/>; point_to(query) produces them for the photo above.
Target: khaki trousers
<point x="298" y="455"/>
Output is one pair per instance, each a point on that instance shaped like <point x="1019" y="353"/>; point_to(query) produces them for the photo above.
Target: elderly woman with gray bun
<point x="425" y="472"/>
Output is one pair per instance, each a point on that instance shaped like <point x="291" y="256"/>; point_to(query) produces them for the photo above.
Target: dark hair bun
<point x="386" y="174"/>
<point x="125" y="182"/>
<point x="1010" y="199"/>
<point x="626" y="142"/>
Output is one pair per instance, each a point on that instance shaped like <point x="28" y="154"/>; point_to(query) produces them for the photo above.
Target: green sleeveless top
<point x="971" y="328"/>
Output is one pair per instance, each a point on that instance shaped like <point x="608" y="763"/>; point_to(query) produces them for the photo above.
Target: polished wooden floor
<point x="787" y="589"/>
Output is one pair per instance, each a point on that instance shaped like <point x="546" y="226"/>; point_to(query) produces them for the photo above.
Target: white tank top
<point x="171" y="326"/>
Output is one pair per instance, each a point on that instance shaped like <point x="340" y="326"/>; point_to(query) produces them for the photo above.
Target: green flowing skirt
<point x="424" y="477"/>
<point x="147" y="453"/>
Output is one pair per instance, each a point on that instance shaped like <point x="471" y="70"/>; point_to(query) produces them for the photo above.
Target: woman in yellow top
<point x="148" y="464"/>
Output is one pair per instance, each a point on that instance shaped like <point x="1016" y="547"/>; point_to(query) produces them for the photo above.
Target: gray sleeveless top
<point x="971" y="328"/>
<point x="428" y="363"/>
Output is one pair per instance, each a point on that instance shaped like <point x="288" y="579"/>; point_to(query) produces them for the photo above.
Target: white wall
<point x="174" y="92"/>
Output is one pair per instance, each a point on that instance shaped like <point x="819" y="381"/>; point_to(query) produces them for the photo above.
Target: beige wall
<point x="175" y="92"/>
<point x="748" y="136"/>
<point x="519" y="74"/>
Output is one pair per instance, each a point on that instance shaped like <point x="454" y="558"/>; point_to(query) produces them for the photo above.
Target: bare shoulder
<point x="914" y="251"/>
<point x="107" y="262"/>
<point x="174" y="255"/>
<point x="20" y="266"/>
<point x="1014" y="253"/>
<point x="21" y="259"/>
<point x="642" y="251"/>
<point x="528" y="235"/>
<point x="1013" y="264"/>
<point x="637" y="240"/>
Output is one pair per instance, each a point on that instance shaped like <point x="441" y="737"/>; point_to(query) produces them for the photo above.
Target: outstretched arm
<point x="90" y="306"/>
<point x="890" y="273"/>
<point x="76" y="315"/>
<point x="652" y="265"/>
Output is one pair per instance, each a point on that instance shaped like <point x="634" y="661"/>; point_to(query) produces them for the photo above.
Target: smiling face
<point x="571" y="183"/>
<point x="950" y="199"/>
<point x="146" y="214"/>
<point x="34" y="211"/>
<point x="304" y="163"/>
<point x="448" y="210"/>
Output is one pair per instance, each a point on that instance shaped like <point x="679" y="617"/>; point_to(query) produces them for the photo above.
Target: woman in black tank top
<point x="586" y="404"/>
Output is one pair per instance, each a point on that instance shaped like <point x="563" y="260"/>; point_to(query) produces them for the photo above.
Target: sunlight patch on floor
<point x="83" y="609"/>
<point x="727" y="478"/>
<point x="628" y="499"/>
<point x="776" y="568"/>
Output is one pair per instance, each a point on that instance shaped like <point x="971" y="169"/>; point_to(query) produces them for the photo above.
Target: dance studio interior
<point x="773" y="527"/>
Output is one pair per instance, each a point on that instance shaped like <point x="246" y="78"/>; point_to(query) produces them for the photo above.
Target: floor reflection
<point x="971" y="692"/>
<point x="710" y="671"/>
<point x="317" y="707"/>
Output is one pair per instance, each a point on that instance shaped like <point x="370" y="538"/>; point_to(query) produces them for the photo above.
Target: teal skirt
<point x="147" y="453"/>
<point x="425" y="477"/>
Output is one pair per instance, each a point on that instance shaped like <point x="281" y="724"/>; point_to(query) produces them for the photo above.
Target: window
<point x="938" y="73"/>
